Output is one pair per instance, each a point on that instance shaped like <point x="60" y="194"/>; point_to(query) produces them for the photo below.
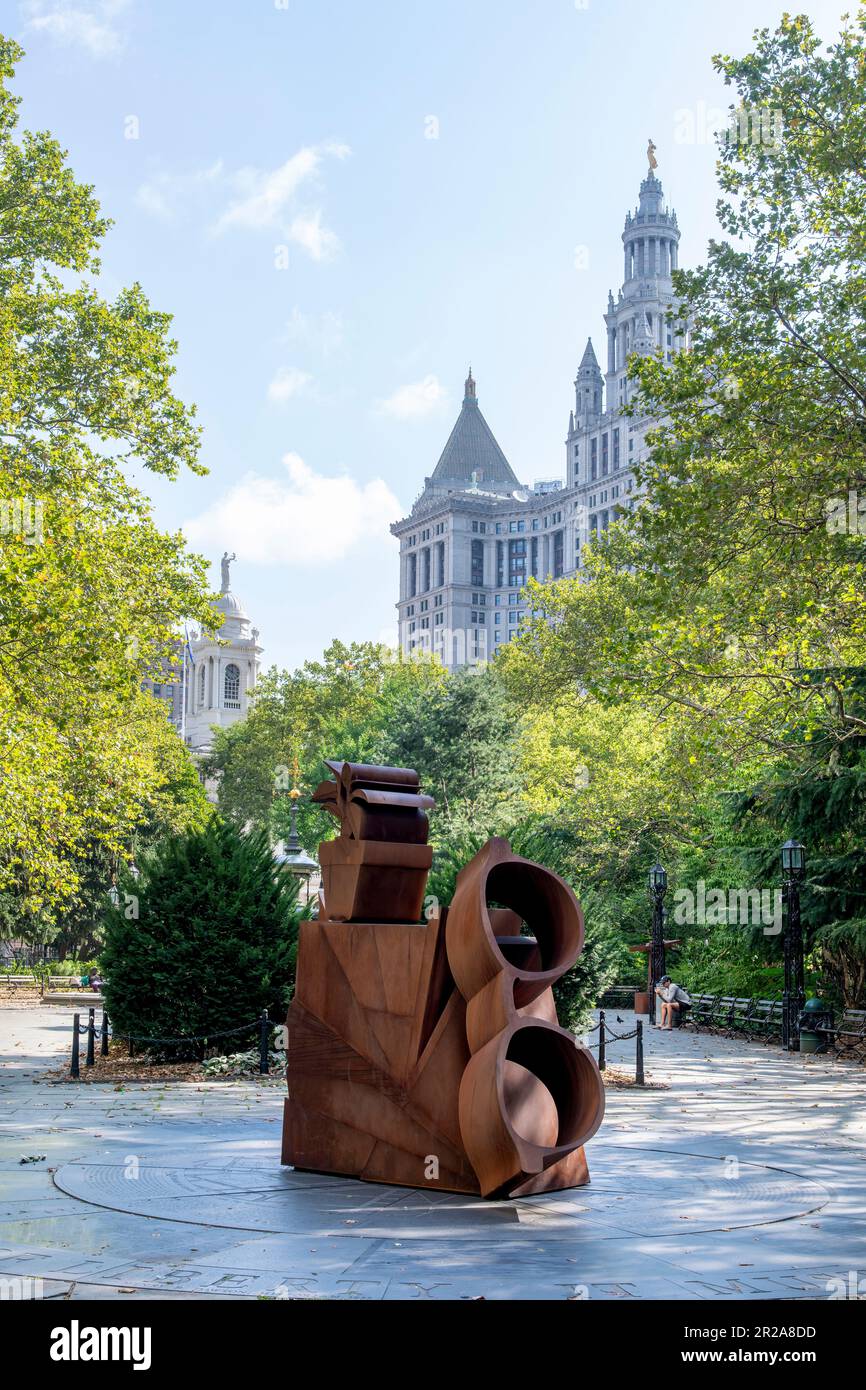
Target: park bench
<point x="765" y="1019"/>
<point x="618" y="997"/>
<point x="732" y="1014"/>
<point x="760" y="1018"/>
<point x="849" y="1035"/>
<point x="17" y="982"/>
<point x="700" y="1015"/>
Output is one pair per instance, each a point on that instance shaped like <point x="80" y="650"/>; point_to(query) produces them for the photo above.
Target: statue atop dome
<point x="224" y="566"/>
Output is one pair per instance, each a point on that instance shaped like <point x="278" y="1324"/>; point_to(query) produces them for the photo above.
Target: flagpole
<point x="183" y="690"/>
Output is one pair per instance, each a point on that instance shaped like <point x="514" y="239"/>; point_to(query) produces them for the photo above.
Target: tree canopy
<point x="91" y="591"/>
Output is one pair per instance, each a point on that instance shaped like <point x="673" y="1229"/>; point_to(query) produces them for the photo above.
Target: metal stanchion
<point x="74" y="1068"/>
<point x="602" y="1060"/>
<point x="104" y="1047"/>
<point x="638" y="1061"/>
<point x="91" y="1038"/>
<point x="265" y="1029"/>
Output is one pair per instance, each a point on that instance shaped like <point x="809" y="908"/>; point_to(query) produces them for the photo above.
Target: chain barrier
<point x="605" y="1032"/>
<point x="263" y="1024"/>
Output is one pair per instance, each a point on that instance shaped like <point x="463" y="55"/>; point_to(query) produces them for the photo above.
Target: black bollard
<point x="602" y="1060"/>
<point x="74" y="1068"/>
<point x="104" y="1047"/>
<point x="264" y="1030"/>
<point x="91" y="1038"/>
<point x="638" y="1055"/>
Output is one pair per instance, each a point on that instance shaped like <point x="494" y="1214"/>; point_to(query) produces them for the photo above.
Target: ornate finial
<point x="470" y="386"/>
<point x="296" y="772"/>
<point x="651" y="155"/>
<point x="224" y="567"/>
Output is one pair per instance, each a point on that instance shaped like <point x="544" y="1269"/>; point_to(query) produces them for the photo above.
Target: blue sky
<point x="342" y="205"/>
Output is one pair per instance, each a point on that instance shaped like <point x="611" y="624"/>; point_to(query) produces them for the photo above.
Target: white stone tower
<point x="223" y="673"/>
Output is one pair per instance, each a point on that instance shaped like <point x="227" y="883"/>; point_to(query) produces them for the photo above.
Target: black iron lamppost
<point x="294" y="856"/>
<point x="794" y="996"/>
<point x="658" y="886"/>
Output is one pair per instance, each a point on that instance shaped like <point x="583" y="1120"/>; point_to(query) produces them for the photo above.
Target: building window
<point x="413" y="575"/>
<point x="201" y="685"/>
<point x="593" y="459"/>
<point x="440" y="564"/>
<point x="558" y="564"/>
<point x="232" y="687"/>
<point x="477" y="570"/>
<point x="605" y="462"/>
<point x="615" y="450"/>
<point x="500" y="562"/>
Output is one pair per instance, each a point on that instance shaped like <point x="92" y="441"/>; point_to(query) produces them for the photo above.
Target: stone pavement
<point x="744" y="1178"/>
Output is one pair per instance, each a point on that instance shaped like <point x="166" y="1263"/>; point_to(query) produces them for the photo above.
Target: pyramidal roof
<point x="472" y="453"/>
<point x="589" y="358"/>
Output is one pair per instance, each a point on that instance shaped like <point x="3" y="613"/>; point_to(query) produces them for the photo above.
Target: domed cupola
<point x="225" y="667"/>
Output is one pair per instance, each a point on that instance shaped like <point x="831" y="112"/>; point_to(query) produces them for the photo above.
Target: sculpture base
<point x="314" y="1143"/>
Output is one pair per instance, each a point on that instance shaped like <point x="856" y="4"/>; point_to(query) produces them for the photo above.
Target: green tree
<point x="202" y="942"/>
<point x="91" y="592"/>
<point x="461" y="734"/>
<point x="734" y="593"/>
<point x="342" y="706"/>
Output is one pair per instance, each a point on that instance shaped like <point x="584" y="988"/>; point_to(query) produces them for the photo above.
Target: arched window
<point x="232" y="687"/>
<point x="201" y="682"/>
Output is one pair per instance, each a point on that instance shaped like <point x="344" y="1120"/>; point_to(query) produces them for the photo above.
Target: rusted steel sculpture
<point x="428" y="1053"/>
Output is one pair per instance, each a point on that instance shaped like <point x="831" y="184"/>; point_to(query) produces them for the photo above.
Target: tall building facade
<point x="476" y="534"/>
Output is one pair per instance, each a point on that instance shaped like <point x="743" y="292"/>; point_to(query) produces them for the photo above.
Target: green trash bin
<point x="815" y="1016"/>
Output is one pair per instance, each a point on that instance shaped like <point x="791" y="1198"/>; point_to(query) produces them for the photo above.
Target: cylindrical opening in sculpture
<point x="552" y="1092"/>
<point x="550" y="913"/>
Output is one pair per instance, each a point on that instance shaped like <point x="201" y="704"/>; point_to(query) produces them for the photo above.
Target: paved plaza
<point x="741" y="1174"/>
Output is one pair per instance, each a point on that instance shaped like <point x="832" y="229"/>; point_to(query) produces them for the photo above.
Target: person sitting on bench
<point x="674" y="1000"/>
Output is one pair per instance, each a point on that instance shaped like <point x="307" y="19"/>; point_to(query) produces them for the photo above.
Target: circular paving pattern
<point x="633" y="1191"/>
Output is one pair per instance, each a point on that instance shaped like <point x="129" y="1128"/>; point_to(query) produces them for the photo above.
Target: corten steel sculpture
<point x="428" y="1053"/>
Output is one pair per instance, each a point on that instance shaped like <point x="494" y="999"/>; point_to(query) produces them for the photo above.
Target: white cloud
<point x="304" y="519"/>
<point x="414" y="401"/>
<point x="259" y="199"/>
<point x="287" y="382"/>
<point x="94" y="27"/>
<point x="306" y="231"/>
<point x="266" y="201"/>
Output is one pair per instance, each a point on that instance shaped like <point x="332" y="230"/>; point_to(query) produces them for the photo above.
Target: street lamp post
<point x="293" y="856"/>
<point x="658" y="886"/>
<point x="794" y="996"/>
